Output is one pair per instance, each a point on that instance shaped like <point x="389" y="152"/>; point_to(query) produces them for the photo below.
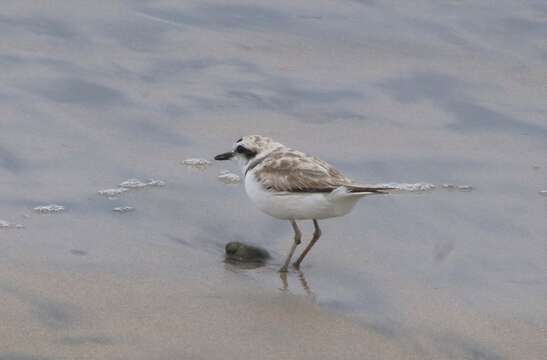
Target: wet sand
<point x="93" y="95"/>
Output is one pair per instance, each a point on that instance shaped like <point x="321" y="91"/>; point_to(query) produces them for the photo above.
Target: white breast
<point x="298" y="206"/>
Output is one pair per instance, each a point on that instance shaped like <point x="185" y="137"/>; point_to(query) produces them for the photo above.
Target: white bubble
<point x="123" y="209"/>
<point x="112" y="193"/>
<point x="49" y="209"/>
<point x="137" y="184"/>
<point x="229" y="178"/>
<point x="196" y="163"/>
<point x="416" y="187"/>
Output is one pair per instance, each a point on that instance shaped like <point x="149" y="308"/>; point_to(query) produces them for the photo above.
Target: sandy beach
<point x="445" y="93"/>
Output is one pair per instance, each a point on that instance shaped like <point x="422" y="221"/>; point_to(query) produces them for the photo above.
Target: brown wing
<point x="293" y="171"/>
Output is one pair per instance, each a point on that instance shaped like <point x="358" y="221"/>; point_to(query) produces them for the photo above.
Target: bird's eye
<point x="246" y="152"/>
<point x="239" y="140"/>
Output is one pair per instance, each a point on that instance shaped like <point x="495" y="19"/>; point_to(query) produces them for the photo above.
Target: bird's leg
<point x="297" y="238"/>
<point x="316" y="236"/>
<point x="284" y="281"/>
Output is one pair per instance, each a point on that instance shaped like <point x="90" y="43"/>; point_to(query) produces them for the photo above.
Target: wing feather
<point x="293" y="171"/>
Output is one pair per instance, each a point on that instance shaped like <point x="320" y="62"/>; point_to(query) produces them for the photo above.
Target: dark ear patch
<point x="243" y="150"/>
<point x="239" y="140"/>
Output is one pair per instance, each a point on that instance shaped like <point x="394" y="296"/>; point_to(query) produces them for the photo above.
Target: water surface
<point x="94" y="94"/>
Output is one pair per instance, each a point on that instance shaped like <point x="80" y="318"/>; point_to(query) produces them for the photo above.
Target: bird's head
<point x="249" y="148"/>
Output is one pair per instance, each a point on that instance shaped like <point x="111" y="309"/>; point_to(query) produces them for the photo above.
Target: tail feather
<point x="369" y="189"/>
<point x="352" y="191"/>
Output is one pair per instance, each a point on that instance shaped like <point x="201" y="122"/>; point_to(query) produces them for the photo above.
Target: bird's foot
<point x="283" y="269"/>
<point x="296" y="265"/>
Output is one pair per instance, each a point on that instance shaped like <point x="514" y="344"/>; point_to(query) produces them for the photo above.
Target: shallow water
<point x="390" y="92"/>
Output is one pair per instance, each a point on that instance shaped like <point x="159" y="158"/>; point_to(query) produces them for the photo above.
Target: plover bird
<point x="290" y="185"/>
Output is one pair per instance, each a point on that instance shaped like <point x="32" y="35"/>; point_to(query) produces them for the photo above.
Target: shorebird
<point x="290" y="185"/>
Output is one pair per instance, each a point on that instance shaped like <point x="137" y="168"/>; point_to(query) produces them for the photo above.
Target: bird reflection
<point x="284" y="276"/>
<point x="243" y="267"/>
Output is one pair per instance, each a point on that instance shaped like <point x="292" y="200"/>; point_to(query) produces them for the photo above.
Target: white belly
<point x="298" y="206"/>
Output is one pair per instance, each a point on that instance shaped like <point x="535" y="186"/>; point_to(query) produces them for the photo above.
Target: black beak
<point x="225" y="156"/>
